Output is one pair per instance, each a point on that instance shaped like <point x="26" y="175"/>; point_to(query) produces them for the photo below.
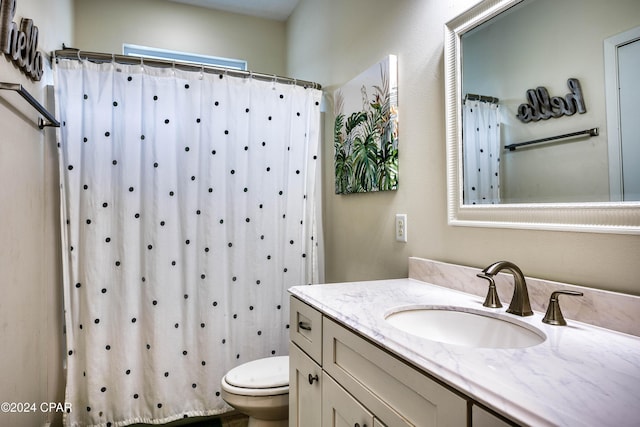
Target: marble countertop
<point x="580" y="375"/>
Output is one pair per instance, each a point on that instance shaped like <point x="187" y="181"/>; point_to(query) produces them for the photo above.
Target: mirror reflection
<point x="537" y="72"/>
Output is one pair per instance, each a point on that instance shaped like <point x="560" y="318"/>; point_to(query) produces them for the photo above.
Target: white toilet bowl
<point x="260" y="389"/>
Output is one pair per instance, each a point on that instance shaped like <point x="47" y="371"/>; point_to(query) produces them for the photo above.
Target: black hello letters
<point x="20" y="43"/>
<point x="542" y="107"/>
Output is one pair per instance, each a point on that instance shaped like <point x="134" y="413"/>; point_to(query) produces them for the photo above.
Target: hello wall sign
<point x="541" y="106"/>
<point x="20" y="44"/>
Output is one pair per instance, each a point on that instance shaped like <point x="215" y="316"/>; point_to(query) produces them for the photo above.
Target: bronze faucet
<point x="520" y="305"/>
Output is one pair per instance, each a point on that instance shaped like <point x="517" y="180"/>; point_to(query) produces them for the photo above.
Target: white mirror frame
<point x="606" y="217"/>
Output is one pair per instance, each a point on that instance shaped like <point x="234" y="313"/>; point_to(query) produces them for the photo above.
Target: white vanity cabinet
<point x="359" y="384"/>
<point x="396" y="378"/>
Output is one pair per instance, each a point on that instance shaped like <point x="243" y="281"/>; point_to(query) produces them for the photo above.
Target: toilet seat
<point x="262" y="377"/>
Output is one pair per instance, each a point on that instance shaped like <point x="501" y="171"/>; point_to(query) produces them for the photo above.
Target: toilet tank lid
<point x="269" y="372"/>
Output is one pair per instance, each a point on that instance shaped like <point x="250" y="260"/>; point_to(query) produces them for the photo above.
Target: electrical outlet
<point x="401" y="227"/>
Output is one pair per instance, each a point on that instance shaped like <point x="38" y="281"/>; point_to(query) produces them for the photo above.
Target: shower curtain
<point x="188" y="205"/>
<point x="481" y="152"/>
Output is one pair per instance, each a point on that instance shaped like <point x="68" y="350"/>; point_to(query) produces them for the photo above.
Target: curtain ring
<point x="201" y="71"/>
<point x="78" y="53"/>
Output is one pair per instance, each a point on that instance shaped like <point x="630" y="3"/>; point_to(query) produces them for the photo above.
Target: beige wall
<point x="31" y="291"/>
<point x="330" y="41"/>
<point x="104" y="26"/>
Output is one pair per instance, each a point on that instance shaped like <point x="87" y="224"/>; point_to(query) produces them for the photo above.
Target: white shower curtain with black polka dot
<point x="481" y="152"/>
<point x="189" y="206"/>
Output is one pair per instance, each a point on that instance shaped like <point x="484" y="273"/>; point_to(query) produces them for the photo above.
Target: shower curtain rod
<point x="474" y="97"/>
<point x="69" y="53"/>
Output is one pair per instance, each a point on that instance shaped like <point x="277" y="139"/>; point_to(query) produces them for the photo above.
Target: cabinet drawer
<point x="396" y="393"/>
<point x="306" y="329"/>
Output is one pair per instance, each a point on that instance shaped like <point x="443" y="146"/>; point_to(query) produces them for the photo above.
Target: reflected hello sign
<point x="20" y="44"/>
<point x="541" y="106"/>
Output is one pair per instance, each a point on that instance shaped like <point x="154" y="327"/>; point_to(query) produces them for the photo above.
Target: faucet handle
<point x="554" y="314"/>
<point x="492" y="300"/>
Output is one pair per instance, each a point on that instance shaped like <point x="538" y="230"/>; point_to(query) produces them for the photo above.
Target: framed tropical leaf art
<point x="366" y="130"/>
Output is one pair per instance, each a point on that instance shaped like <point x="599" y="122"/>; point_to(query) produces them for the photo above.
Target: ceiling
<point x="271" y="9"/>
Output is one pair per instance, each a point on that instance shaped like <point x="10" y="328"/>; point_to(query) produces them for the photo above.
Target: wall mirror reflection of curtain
<point x="508" y="54"/>
<point x="481" y="150"/>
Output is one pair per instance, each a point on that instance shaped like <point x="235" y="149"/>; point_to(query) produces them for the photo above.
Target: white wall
<point x="31" y="291"/>
<point x="330" y="41"/>
<point x="103" y="26"/>
<point x="566" y="42"/>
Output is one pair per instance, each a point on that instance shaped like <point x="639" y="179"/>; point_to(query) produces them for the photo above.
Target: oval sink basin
<point x="466" y="328"/>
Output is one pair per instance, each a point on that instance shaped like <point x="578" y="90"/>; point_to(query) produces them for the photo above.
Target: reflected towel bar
<point x="590" y="132"/>
<point x="16" y="87"/>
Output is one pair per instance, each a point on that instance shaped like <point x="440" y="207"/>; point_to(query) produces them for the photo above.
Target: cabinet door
<point x="396" y="393"/>
<point x="340" y="409"/>
<point x="305" y="389"/>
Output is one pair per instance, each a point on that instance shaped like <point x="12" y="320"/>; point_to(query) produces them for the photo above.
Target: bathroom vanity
<point x="347" y="380"/>
<point x="351" y="366"/>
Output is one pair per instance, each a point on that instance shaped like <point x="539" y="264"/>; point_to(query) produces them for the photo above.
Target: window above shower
<point x="184" y="57"/>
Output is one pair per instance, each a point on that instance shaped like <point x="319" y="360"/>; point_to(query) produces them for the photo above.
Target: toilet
<point x="260" y="389"/>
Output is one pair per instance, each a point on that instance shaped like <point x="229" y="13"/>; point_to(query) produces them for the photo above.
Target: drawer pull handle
<point x="304" y="325"/>
<point x="358" y="425"/>
<point x="313" y="378"/>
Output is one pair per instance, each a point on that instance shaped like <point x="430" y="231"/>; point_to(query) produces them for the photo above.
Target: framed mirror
<point x="497" y="52"/>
